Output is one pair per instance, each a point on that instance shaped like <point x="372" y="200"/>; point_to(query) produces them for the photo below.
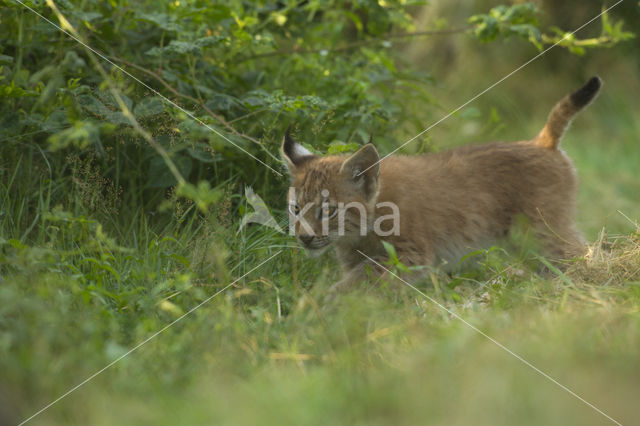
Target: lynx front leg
<point x="370" y="273"/>
<point x="348" y="282"/>
<point x="364" y="271"/>
<point x="375" y="273"/>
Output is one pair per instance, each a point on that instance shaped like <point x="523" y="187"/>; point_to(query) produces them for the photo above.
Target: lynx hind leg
<point x="561" y="243"/>
<point x="554" y="225"/>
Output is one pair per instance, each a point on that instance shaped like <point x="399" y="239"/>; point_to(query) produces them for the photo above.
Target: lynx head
<point x="331" y="198"/>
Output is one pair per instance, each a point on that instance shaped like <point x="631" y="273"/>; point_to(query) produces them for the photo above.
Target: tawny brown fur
<point x="450" y="203"/>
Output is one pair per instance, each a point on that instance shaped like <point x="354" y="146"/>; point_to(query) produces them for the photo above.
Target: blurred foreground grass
<point x="257" y="356"/>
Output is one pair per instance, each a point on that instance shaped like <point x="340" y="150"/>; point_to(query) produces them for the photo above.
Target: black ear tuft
<point x="288" y="143"/>
<point x="586" y="93"/>
<point x="294" y="153"/>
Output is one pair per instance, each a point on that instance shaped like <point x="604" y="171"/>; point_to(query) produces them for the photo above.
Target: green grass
<point x="376" y="357"/>
<point x="78" y="295"/>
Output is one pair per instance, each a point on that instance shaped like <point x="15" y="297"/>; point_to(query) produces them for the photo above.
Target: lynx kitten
<point x="437" y="207"/>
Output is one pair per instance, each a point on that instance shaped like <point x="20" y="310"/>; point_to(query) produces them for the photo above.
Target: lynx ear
<point x="294" y="153"/>
<point x="362" y="168"/>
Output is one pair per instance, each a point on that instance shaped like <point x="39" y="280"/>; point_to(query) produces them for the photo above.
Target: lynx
<point x="446" y="204"/>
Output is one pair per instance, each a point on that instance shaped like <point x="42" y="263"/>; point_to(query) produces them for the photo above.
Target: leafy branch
<point x="352" y="45"/>
<point x="69" y="29"/>
<point x="520" y="20"/>
<point x="195" y="101"/>
<point x="202" y="195"/>
<point x="612" y="33"/>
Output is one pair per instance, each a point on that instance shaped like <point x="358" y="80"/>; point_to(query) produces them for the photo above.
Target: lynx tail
<point x="564" y="111"/>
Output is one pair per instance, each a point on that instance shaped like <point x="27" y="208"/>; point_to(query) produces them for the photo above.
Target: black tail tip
<point x="586" y="93"/>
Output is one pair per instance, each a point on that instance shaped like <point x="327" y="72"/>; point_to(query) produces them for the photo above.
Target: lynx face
<point x="314" y="219"/>
<point x="329" y="200"/>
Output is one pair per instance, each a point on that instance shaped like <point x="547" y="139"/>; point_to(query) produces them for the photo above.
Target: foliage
<point x="244" y="70"/>
<point x="521" y="20"/>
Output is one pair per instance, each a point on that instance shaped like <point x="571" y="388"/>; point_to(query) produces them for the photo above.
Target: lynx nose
<point x="306" y="239"/>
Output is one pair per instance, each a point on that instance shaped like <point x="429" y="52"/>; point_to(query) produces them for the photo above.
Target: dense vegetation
<point x="123" y="168"/>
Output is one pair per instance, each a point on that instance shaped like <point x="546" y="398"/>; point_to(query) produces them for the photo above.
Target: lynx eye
<point x="294" y="208"/>
<point x="330" y="211"/>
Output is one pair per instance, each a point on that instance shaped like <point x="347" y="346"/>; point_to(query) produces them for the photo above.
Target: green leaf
<point x="223" y="102"/>
<point x="391" y="251"/>
<point x="149" y="107"/>
<point x="117" y="118"/>
<point x="13" y="91"/>
<point x="56" y="120"/>
<point x="167" y="23"/>
<point x="72" y="62"/>
<point x="203" y="195"/>
<point x="93" y="105"/>
<point x="203" y="153"/>
<point x="338" y="147"/>
<point x="175" y="48"/>
<point x="88" y="16"/>
<point x="607" y="28"/>
<point x="81" y="135"/>
<point x="110" y="101"/>
<point x="355" y="19"/>
<point x="159" y="176"/>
